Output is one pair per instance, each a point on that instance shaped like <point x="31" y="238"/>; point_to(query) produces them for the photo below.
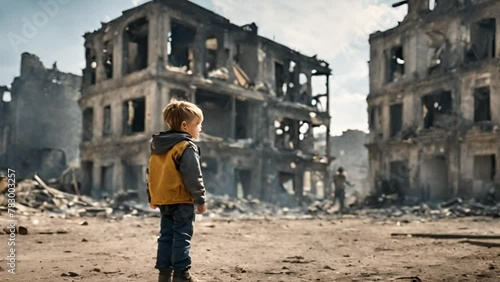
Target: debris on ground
<point x="34" y="195"/>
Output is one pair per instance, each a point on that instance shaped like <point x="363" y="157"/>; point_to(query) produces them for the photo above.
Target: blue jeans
<point x="176" y="231"/>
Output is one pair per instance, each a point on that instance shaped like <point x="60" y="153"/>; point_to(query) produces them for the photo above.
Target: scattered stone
<point x="23" y="230"/>
<point x="70" y="274"/>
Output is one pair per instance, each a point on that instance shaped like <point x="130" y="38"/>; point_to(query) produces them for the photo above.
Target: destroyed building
<point x="257" y="95"/>
<point x="40" y="120"/>
<point x="434" y="101"/>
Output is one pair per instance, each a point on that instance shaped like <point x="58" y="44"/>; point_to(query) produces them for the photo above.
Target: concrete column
<point x="410" y="113"/>
<point x="155" y="38"/>
<point x="98" y="48"/>
<point x="497" y="173"/>
<point x="95" y="191"/>
<point x="411" y="54"/>
<point x="163" y="43"/>
<point x="497" y="36"/>
<point x="232" y="130"/>
<point x="386" y="119"/>
<point x="453" y="168"/>
<point x="309" y="83"/>
<point x="117" y="119"/>
<point x="467" y="101"/>
<point x="199" y="50"/>
<point x="118" y="176"/>
<point x="118" y="55"/>
<point x="154" y="109"/>
<point x="495" y="98"/>
<point x="299" y="185"/>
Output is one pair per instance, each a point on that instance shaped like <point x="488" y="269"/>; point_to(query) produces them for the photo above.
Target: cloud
<point x="337" y="31"/>
<point x="137" y="2"/>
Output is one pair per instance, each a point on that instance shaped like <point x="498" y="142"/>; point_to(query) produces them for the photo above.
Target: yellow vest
<point x="165" y="183"/>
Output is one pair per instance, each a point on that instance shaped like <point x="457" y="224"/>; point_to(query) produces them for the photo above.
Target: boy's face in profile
<point x="193" y="127"/>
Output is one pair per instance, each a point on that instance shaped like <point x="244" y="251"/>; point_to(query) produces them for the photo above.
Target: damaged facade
<point x="259" y="104"/>
<point x="434" y="102"/>
<point x="40" y="121"/>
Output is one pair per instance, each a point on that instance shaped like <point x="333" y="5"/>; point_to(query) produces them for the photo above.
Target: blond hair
<point x="178" y="111"/>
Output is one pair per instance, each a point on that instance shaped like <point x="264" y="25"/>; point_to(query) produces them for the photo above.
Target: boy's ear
<point x="183" y="124"/>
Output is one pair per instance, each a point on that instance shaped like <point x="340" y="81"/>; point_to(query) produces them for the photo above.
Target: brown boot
<point x="183" y="276"/>
<point x="165" y="276"/>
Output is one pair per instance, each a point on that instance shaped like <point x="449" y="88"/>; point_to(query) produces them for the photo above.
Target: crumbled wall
<point x="43" y="125"/>
<point x="445" y="79"/>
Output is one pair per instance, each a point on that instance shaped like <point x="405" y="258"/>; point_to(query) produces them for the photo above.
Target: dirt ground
<point x="333" y="249"/>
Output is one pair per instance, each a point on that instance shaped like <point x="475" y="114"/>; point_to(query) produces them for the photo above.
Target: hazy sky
<point x="336" y="30"/>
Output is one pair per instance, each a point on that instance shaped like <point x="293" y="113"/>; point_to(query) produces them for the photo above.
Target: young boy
<point x="175" y="185"/>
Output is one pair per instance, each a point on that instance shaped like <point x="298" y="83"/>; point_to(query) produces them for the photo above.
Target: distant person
<point x="175" y="185"/>
<point x="340" y="181"/>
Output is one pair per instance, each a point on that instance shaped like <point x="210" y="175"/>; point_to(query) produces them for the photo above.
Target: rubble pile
<point x="35" y="195"/>
<point x="452" y="208"/>
<point x="224" y="206"/>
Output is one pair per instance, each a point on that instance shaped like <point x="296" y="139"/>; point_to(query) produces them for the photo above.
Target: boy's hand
<point x="153" y="206"/>
<point x="201" y="209"/>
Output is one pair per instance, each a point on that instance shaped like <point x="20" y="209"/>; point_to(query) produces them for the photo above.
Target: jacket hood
<point x="164" y="141"/>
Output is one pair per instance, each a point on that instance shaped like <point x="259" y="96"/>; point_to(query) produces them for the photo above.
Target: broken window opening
<point x="247" y="63"/>
<point x="396" y="119"/>
<point x="319" y="91"/>
<point x="291" y="67"/>
<point x="108" y="59"/>
<point x="432" y="4"/>
<point x="243" y="123"/>
<point x="106" y="127"/>
<point x="304" y="127"/>
<point x="133" y="177"/>
<point x="279" y="78"/>
<point x="134" y="116"/>
<point x="482" y="109"/>
<point x="179" y="95"/>
<point x="209" y="165"/>
<point x="304" y="95"/>
<point x="375" y="121"/>
<point x="242" y="180"/>
<point x="91" y="65"/>
<point x="436" y="108"/>
<point x="135" y="46"/>
<point x="287" y="182"/>
<point x="286" y="134"/>
<point x="399" y="178"/>
<point x="211" y="47"/>
<point x="107" y="181"/>
<point x="88" y="120"/>
<point x="217" y="111"/>
<point x="434" y="178"/>
<point x="482" y="43"/>
<point x="396" y="64"/>
<point x="485" y="167"/>
<point x="6" y="97"/>
<point x="180" y="47"/>
<point x="87" y="178"/>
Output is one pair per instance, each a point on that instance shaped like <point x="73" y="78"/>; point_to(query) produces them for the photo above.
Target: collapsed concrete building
<point x="434" y="101"/>
<point x="40" y="121"/>
<point x="261" y="111"/>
